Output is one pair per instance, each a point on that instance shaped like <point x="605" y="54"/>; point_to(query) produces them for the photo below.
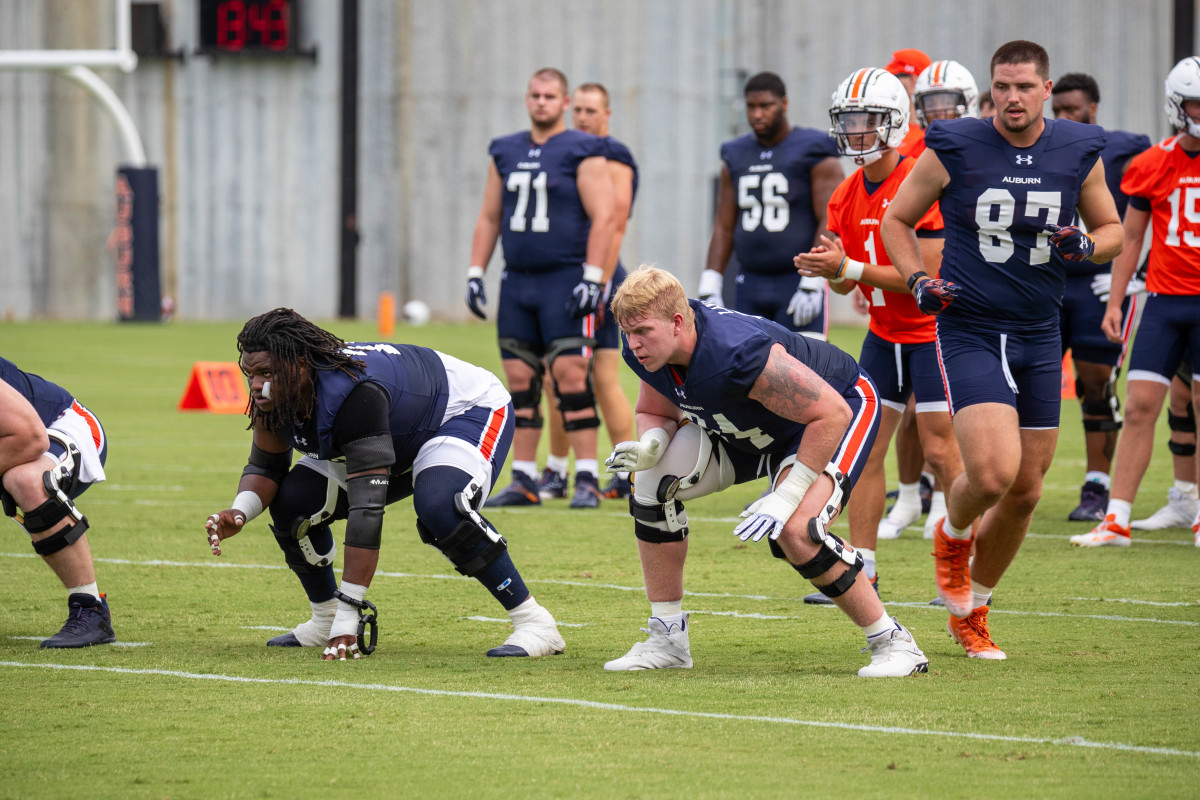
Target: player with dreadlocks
<point x="374" y="423"/>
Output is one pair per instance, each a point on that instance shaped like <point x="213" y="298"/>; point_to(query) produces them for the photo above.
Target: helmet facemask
<point x="863" y="133"/>
<point x="946" y="103"/>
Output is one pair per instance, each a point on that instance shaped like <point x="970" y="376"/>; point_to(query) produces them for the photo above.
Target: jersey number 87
<point x="994" y="213"/>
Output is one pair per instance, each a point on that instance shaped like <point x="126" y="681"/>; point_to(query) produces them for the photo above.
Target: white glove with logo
<point x="767" y="515"/>
<point x="808" y="301"/>
<point x="640" y="455"/>
<point x="1102" y="285"/>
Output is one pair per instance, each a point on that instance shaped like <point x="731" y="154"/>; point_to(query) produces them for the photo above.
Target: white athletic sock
<point x="1121" y="510"/>
<point x="956" y="533"/>
<point x="528" y="468"/>
<point x="937" y="505"/>
<point x="87" y="588"/>
<point x="1095" y="476"/>
<point x="980" y="594"/>
<point x="929" y="476"/>
<point x="910" y="494"/>
<point x="666" y="610"/>
<point x="868" y="561"/>
<point x="557" y="464"/>
<point x="588" y="465"/>
<point x="880" y="625"/>
<point x="1187" y="487"/>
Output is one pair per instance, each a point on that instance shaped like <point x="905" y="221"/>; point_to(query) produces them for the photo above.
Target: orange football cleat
<point x="953" y="570"/>
<point x="972" y="633"/>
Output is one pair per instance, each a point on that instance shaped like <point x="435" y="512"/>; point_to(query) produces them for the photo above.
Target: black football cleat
<point x="88" y="623"/>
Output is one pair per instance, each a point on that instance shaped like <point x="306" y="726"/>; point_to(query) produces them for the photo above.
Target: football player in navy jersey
<point x="1009" y="187"/>
<point x="549" y="200"/>
<point x="1097" y="360"/>
<point x="374" y="423"/>
<point x="774" y="187"/>
<point x="727" y="398"/>
<point x="51" y="450"/>
<point x="590" y="113"/>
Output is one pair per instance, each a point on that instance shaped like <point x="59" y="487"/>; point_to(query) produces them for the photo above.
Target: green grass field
<point x="1098" y="697"/>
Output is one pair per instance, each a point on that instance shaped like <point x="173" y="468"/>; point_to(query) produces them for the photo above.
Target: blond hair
<point x="650" y="292"/>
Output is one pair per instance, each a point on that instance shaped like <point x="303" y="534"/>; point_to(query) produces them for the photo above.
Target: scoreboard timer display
<point x="248" y="27"/>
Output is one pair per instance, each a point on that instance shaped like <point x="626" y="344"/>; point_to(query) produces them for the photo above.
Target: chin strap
<point x="365" y="621"/>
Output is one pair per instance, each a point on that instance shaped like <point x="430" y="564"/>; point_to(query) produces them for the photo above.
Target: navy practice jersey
<point x="1119" y="148"/>
<point x="713" y="391"/>
<point x="772" y="187"/>
<point x="543" y="225"/>
<point x="48" y="399"/>
<point x="415" y="381"/>
<point x="995" y="206"/>
<point x="618" y="152"/>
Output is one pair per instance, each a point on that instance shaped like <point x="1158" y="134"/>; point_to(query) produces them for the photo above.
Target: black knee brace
<point x="669" y="512"/>
<point x="63" y="538"/>
<point x="822" y="562"/>
<point x="1182" y="424"/>
<point x="300" y="553"/>
<point x="577" y="401"/>
<point x="531" y="397"/>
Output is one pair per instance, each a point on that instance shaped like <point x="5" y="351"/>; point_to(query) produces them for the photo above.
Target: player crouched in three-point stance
<point x="375" y="423"/>
<point x="1009" y="188"/>
<point x="51" y="450"/>
<point x="728" y="398"/>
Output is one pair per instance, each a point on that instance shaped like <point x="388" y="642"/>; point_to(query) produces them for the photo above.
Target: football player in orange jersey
<point x="869" y="115"/>
<point x="1163" y="185"/>
<point x="944" y="90"/>
<point x="906" y="65"/>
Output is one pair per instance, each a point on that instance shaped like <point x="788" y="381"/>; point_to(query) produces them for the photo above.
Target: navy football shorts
<point x="1082" y="313"/>
<point x="1170" y="326"/>
<point x="903" y="370"/>
<point x="533" y="309"/>
<point x="1022" y="370"/>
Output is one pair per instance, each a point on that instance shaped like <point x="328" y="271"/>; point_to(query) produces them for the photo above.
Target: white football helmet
<point x="1183" y="83"/>
<point x="869" y="102"/>
<point x="945" y="86"/>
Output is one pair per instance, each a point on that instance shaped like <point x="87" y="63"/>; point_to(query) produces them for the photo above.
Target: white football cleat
<point x="1179" y="512"/>
<point x="901" y="517"/>
<point x="535" y="633"/>
<point x="667" y="647"/>
<point x="894" y="654"/>
<point x="1107" y="534"/>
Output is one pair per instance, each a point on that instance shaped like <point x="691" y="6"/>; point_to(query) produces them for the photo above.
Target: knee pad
<point x="827" y="557"/>
<point x="455" y="528"/>
<point x="306" y="541"/>
<point x="1185" y="424"/>
<point x="1181" y="449"/>
<point x="531" y="397"/>
<point x="661" y="522"/>
<point x="63" y="538"/>
<point x="57" y="483"/>
<point x="576" y="401"/>
<point x="1109" y="406"/>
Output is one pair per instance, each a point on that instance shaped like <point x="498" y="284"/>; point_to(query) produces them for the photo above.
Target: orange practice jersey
<point x="854" y="216"/>
<point x="915" y="133"/>
<point x="1170" y="180"/>
<point x="912" y="147"/>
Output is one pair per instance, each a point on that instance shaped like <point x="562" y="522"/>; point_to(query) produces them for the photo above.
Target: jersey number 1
<point x="520" y="182"/>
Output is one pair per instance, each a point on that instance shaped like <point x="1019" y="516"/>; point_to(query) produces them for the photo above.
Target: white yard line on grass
<point x="1130" y="600"/>
<point x="218" y="564"/>
<point x="1068" y="741"/>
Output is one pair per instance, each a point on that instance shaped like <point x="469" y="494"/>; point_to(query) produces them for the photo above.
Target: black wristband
<point x="912" y="279"/>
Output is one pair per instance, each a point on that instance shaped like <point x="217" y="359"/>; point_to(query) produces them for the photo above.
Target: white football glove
<point x="766" y="515"/>
<point x="808" y="301"/>
<point x="640" y="455"/>
<point x="711" y="284"/>
<point x="1102" y="286"/>
<point x="1136" y="286"/>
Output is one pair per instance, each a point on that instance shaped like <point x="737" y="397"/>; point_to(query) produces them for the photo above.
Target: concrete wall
<point x="248" y="148"/>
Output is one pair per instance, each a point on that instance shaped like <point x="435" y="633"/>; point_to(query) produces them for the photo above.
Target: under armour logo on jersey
<point x="535" y="152"/>
<point x="1024" y="160"/>
<point x="679" y="391"/>
<point x="886" y="201"/>
<point x="765" y="154"/>
<point x="300" y="440"/>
